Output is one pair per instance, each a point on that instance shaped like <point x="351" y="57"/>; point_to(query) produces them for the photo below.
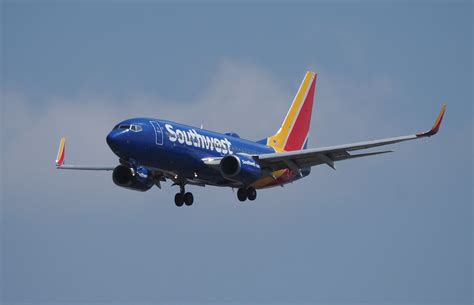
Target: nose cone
<point x="115" y="140"/>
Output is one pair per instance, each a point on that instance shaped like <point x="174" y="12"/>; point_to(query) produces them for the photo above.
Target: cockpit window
<point x="136" y="128"/>
<point x="133" y="127"/>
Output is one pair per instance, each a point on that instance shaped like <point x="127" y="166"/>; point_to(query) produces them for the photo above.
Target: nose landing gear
<point x="246" y="193"/>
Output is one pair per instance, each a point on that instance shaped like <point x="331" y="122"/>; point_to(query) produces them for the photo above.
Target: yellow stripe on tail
<point x="293" y="132"/>
<point x="61" y="152"/>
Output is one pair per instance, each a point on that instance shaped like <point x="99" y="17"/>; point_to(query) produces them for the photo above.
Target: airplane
<point x="152" y="151"/>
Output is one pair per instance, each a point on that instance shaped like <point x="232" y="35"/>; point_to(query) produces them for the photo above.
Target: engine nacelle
<point x="241" y="168"/>
<point x="123" y="177"/>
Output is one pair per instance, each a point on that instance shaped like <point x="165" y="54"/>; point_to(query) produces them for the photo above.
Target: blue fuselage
<point x="176" y="148"/>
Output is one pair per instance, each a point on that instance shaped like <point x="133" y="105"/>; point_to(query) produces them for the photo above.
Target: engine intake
<point x="241" y="168"/>
<point x="123" y="177"/>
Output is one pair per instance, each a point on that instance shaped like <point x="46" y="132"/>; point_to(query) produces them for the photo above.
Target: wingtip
<point x="61" y="152"/>
<point x="437" y="124"/>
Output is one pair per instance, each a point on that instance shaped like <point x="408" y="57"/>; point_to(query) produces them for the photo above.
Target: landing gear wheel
<point x="179" y="199"/>
<point x="188" y="198"/>
<point x="242" y="194"/>
<point x="251" y="194"/>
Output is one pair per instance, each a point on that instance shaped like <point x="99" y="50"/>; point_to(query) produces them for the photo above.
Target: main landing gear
<point x="246" y="193"/>
<point x="183" y="198"/>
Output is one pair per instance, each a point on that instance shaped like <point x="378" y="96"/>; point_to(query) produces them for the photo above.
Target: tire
<point x="251" y="194"/>
<point x="242" y="194"/>
<point x="179" y="199"/>
<point x="188" y="199"/>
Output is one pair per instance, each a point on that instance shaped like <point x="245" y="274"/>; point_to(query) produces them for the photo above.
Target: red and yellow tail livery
<point x="61" y="151"/>
<point x="294" y="131"/>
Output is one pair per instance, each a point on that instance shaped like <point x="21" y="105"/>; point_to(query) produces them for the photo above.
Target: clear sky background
<point x="392" y="229"/>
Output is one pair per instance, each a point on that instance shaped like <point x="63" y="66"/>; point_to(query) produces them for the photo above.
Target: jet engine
<point x="241" y="168"/>
<point x="124" y="177"/>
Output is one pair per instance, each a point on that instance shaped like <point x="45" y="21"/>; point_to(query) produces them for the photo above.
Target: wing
<point x="296" y="160"/>
<point x="61" y="156"/>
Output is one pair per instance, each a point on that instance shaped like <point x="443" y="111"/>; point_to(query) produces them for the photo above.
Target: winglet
<point x="434" y="130"/>
<point x="61" y="152"/>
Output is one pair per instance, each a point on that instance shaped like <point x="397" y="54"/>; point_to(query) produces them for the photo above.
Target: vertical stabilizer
<point x="293" y="133"/>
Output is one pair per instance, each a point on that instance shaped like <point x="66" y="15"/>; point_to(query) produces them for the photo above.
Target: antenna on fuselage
<point x="202" y="126"/>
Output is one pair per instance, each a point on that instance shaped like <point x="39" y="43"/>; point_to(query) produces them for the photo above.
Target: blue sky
<point x="394" y="229"/>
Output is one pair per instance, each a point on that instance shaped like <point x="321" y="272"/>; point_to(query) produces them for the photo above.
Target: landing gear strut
<point x="246" y="193"/>
<point x="183" y="198"/>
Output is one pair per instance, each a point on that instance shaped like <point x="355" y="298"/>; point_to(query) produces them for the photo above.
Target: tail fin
<point x="293" y="133"/>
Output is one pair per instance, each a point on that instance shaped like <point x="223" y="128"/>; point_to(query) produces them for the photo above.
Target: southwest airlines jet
<point x="152" y="151"/>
